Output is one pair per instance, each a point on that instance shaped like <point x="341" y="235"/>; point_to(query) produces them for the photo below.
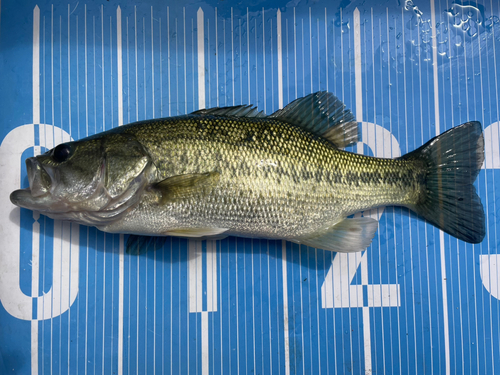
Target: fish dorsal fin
<point x="236" y="111"/>
<point x="323" y="114"/>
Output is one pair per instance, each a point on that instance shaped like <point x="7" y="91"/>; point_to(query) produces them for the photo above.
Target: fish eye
<point x="61" y="153"/>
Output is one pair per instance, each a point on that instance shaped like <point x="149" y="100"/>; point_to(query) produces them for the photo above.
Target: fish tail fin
<point x="449" y="200"/>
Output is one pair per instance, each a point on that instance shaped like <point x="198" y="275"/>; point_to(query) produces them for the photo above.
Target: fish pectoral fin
<point x="186" y="185"/>
<point x="347" y="236"/>
<point x="197" y="232"/>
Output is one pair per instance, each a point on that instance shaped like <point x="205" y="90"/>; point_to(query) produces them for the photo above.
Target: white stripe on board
<point x="52" y="305"/>
<point x="359" y="116"/>
<point x="103" y="343"/>
<point x="35" y="259"/>
<point x="263" y="56"/>
<point x="248" y="55"/>
<point x="121" y="256"/>
<point x="152" y="65"/>
<point x="441" y="233"/>
<point x="357" y="67"/>
<point x="232" y="59"/>
<point x="211" y="276"/>
<point x="201" y="59"/>
<point x="205" y="370"/>
<point x="310" y="49"/>
<point x="36" y="65"/>
<point x="286" y="333"/>
<point x="195" y="271"/>
<point x="195" y="287"/>
<point x="185" y="70"/>
<point x="280" y="61"/>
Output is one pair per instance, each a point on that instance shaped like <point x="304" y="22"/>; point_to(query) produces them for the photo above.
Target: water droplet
<point x="466" y="13"/>
<point x="472" y="32"/>
<point x="426" y="26"/>
<point x="457" y="22"/>
<point x="442" y="49"/>
<point x="452" y="12"/>
<point x="399" y="35"/>
<point x="458" y="40"/>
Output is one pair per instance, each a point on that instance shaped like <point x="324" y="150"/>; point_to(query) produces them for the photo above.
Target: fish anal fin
<point x="347" y="236"/>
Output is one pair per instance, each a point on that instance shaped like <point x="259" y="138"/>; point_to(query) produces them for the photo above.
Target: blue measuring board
<point x="416" y="301"/>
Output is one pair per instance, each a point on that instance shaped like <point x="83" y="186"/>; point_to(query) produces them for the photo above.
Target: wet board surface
<point x="417" y="301"/>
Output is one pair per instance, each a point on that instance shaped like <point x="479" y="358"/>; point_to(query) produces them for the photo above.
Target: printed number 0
<point x="65" y="268"/>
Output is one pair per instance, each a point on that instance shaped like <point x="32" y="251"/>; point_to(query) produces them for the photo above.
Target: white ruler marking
<point x="280" y="61"/>
<point x="441" y="233"/>
<point x="35" y="260"/>
<point x="359" y="116"/>
<point x="121" y="256"/>
<point x="201" y="59"/>
<point x="285" y="308"/>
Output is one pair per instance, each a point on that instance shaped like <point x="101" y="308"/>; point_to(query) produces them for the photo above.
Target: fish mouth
<point x="40" y="179"/>
<point x="37" y="196"/>
<point x="24" y="198"/>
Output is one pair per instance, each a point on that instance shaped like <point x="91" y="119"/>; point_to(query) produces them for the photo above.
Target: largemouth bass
<point x="235" y="171"/>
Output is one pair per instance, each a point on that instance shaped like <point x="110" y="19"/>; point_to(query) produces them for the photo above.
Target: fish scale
<point x="293" y="181"/>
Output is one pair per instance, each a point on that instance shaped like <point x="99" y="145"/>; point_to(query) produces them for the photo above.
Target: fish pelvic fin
<point x="199" y="233"/>
<point x="449" y="200"/>
<point x="323" y="114"/>
<point x="138" y="245"/>
<point x="347" y="236"/>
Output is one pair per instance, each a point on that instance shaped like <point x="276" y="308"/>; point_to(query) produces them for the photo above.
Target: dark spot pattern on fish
<point x="351" y="178"/>
<point x="297" y="169"/>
